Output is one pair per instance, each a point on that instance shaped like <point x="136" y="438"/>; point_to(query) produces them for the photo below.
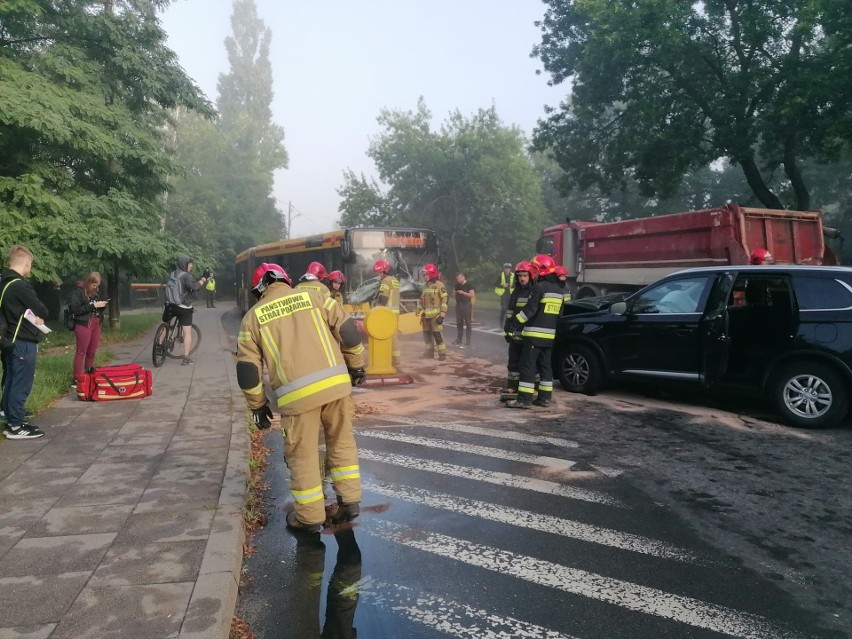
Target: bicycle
<point x="169" y="334"/>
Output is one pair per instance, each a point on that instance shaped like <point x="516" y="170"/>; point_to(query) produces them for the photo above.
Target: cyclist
<point x="179" y="290"/>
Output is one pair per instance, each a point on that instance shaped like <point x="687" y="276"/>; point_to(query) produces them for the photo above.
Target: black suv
<point x="781" y="331"/>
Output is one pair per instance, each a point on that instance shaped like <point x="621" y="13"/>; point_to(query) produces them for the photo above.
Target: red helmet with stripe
<point x="523" y="267"/>
<point x="544" y="264"/>
<point x="761" y="256"/>
<point x="336" y="276"/>
<point x="561" y="271"/>
<point x="265" y="274"/>
<point x="381" y="266"/>
<point x="431" y="271"/>
<point x="317" y="270"/>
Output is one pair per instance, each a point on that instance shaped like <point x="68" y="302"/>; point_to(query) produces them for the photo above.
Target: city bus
<point x="352" y="251"/>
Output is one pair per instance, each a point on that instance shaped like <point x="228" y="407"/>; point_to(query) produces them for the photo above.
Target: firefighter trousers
<point x="301" y="452"/>
<point x="535" y="359"/>
<point x="514" y="364"/>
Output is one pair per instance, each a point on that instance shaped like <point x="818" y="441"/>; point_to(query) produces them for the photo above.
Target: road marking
<point x="625" y="594"/>
<point x="411" y="421"/>
<point x="488" y="432"/>
<point x="447" y="616"/>
<point x="536" y="521"/>
<point x="491" y="477"/>
<point x="553" y="463"/>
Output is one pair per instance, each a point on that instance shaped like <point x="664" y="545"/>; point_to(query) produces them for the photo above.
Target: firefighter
<point x="562" y="279"/>
<point x="313" y="278"/>
<point x="313" y="354"/>
<point x="503" y="289"/>
<point x="537" y="322"/>
<point x="336" y="280"/>
<point x="520" y="295"/>
<point x="388" y="295"/>
<point x="432" y="309"/>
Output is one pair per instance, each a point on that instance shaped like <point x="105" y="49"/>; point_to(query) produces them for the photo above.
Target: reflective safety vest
<point x="433" y="300"/>
<point x="296" y="334"/>
<point x="540" y="314"/>
<point x="389" y="288"/>
<point x="211" y="284"/>
<point x="505" y="284"/>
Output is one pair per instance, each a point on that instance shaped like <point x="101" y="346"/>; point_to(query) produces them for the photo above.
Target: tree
<point x="255" y="142"/>
<point x="86" y="88"/>
<point x="662" y="88"/>
<point x="472" y="181"/>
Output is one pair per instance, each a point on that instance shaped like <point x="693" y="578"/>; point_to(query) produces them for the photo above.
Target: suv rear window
<point x="818" y="294"/>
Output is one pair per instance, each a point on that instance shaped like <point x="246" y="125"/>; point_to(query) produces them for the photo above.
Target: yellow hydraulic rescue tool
<point x="380" y="324"/>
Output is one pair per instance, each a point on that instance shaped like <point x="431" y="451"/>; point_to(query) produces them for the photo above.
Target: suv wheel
<point x="579" y="369"/>
<point x="810" y="395"/>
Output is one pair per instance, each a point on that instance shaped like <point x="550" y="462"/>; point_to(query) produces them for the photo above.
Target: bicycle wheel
<point x="175" y="347"/>
<point x="196" y="339"/>
<point x="158" y="353"/>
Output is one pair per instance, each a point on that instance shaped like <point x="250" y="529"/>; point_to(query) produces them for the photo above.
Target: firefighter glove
<point x="439" y="320"/>
<point x="261" y="417"/>
<point x="358" y="375"/>
<point x="508" y="338"/>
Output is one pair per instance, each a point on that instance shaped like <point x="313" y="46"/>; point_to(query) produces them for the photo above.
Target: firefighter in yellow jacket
<point x="314" y="279"/>
<point x="432" y="309"/>
<point x="388" y="295"/>
<point x="312" y="351"/>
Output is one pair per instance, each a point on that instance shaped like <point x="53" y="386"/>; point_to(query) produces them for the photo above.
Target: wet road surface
<point x="599" y="517"/>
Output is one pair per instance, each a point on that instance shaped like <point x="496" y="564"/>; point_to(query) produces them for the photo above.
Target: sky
<point x="338" y="63"/>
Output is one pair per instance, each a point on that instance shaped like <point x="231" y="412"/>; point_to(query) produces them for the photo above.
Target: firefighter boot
<point x="296" y="525"/>
<point x="345" y="512"/>
<point x="511" y="391"/>
<point x="442" y="357"/>
<point x="520" y="402"/>
<point x="543" y="399"/>
<point x="429" y="354"/>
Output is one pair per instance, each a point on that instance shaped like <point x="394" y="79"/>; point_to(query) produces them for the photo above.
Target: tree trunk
<point x="757" y="184"/>
<point x="114" y="312"/>
<point x="794" y="174"/>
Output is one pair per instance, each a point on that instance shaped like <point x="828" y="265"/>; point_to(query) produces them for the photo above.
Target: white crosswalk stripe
<point x="491" y="477"/>
<point x="449" y="618"/>
<point x="625" y="594"/>
<point x="537" y="521"/>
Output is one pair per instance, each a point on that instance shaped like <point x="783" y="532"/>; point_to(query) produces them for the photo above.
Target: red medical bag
<point x="107" y="383"/>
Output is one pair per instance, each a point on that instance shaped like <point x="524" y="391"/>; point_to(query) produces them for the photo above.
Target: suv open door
<point x="715" y="334"/>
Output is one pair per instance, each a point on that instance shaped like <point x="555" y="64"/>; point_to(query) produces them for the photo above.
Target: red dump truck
<point x="611" y="257"/>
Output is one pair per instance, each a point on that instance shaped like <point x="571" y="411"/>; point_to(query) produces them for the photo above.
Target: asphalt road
<point x="614" y="516"/>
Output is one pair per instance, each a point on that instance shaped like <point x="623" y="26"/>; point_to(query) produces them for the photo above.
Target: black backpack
<point x="6" y="342"/>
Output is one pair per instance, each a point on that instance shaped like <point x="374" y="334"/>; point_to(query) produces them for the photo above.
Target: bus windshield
<point x="407" y="250"/>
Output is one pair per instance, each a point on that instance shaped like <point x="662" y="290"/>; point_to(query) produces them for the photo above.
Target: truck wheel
<point x="810" y="395"/>
<point x="588" y="291"/>
<point x="579" y="369"/>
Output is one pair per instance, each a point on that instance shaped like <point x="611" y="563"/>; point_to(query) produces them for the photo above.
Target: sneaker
<point x="187" y="362"/>
<point x="457" y="342"/>
<point x="295" y="525"/>
<point x="346" y="512"/>
<point x="462" y="346"/>
<point x="27" y="431"/>
<point x="518" y="403"/>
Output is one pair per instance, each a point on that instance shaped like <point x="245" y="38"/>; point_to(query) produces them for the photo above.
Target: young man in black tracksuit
<point x="537" y="321"/>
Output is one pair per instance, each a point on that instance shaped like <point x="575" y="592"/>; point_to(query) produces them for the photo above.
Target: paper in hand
<point x="31" y="318"/>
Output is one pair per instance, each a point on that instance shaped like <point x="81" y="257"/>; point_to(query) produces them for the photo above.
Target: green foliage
<point x="221" y="198"/>
<point x="662" y="88"/>
<point x="84" y="94"/>
<point x="472" y="181"/>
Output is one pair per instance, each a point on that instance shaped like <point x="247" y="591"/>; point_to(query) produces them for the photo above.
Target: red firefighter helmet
<point x="561" y="271"/>
<point x="544" y="264"/>
<point x="336" y="276"/>
<point x="761" y="256"/>
<point x="265" y="274"/>
<point x="317" y="270"/>
<point x="381" y="266"/>
<point x="431" y="271"/>
<point x="523" y="267"/>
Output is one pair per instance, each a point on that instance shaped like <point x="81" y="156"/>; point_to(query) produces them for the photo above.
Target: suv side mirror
<point x="619" y="308"/>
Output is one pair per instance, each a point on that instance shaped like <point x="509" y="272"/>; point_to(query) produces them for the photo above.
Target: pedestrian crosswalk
<point x="505" y="536"/>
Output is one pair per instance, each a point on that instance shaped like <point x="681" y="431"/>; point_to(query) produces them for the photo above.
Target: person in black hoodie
<point x="19" y="359"/>
<point x="87" y="307"/>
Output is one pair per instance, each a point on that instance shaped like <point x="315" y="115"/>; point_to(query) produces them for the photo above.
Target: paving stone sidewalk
<point x="125" y="519"/>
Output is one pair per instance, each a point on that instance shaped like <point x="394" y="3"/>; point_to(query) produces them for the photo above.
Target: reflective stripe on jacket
<point x="433" y="300"/>
<point x="314" y="285"/>
<point x="296" y="334"/>
<point x="519" y="299"/>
